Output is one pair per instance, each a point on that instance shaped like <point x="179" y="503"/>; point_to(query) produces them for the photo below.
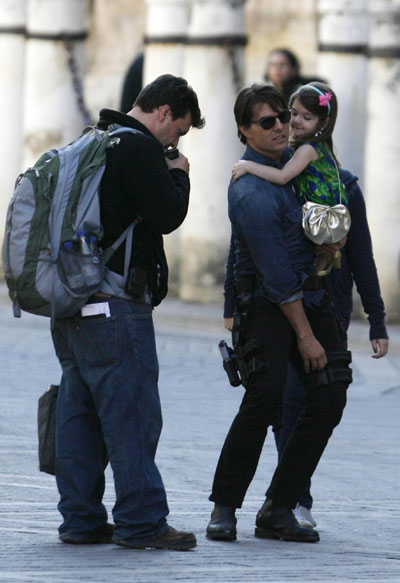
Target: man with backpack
<point x="108" y="404"/>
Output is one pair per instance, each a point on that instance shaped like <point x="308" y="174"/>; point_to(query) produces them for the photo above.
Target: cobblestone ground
<point x="355" y="487"/>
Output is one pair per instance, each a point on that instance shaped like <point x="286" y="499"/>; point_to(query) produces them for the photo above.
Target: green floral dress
<point x="319" y="181"/>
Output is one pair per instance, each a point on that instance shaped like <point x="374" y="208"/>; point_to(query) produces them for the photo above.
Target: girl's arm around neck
<point x="297" y="163"/>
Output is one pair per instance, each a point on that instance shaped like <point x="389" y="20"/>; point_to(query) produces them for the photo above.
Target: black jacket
<point x="357" y="265"/>
<point x="136" y="182"/>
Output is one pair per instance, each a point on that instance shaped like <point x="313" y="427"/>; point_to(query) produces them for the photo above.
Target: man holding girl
<point x="315" y="170"/>
<point x="285" y="317"/>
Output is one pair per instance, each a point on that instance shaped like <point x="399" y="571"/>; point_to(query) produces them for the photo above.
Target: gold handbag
<point x="324" y="224"/>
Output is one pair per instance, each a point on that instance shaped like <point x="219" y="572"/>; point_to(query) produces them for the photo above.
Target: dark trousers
<point x="262" y="406"/>
<point x="292" y="408"/>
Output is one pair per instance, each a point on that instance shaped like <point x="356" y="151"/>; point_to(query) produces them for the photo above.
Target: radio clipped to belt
<point x="137" y="282"/>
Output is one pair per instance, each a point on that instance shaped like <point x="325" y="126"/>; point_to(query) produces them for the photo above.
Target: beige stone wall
<point x="280" y="23"/>
<point x="117" y="31"/>
<point x="116" y="36"/>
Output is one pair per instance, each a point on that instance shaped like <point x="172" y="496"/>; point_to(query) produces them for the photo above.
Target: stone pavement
<point x="356" y="486"/>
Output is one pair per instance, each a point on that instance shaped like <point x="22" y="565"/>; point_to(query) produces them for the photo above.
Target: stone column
<point x="12" y="49"/>
<point x="342" y="61"/>
<point x="166" y="29"/>
<point x="214" y="67"/>
<point x="53" y="108"/>
<point x="382" y="153"/>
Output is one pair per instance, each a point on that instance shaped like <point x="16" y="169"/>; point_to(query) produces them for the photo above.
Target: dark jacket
<point x="357" y="265"/>
<point x="137" y="182"/>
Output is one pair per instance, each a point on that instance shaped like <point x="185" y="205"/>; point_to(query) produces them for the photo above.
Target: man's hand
<point x="332" y="248"/>
<point x="180" y="162"/>
<point x="380" y="346"/>
<point x="312" y="353"/>
<point x="228" y="324"/>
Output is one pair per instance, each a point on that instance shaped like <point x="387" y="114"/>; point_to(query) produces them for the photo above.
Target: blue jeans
<point x="109" y="408"/>
<point x="293" y="406"/>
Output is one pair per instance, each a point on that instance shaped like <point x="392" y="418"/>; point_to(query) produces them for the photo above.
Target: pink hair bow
<point x="325" y="98"/>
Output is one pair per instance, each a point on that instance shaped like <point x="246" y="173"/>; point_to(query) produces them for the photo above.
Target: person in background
<point x="283" y="72"/>
<point x="357" y="266"/>
<point x="133" y="83"/>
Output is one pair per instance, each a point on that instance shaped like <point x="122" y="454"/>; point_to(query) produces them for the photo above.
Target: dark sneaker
<point x="222" y="525"/>
<point x="279" y="522"/>
<point x="172" y="540"/>
<point x="101" y="535"/>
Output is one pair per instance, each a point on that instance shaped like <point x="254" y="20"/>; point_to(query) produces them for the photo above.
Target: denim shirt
<point x="267" y="237"/>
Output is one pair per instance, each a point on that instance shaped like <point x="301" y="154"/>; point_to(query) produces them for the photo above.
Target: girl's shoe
<point x="304" y="517"/>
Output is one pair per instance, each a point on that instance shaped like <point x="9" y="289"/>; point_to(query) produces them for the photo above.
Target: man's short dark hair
<point x="172" y="91"/>
<point x="251" y="96"/>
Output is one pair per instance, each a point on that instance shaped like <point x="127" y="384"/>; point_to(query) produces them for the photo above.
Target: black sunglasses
<point x="268" y="122"/>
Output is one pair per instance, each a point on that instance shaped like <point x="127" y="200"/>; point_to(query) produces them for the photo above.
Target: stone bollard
<point x="214" y="67"/>
<point x="343" y="62"/>
<point x="382" y="154"/>
<point x="12" y="54"/>
<point x="166" y="29"/>
<point x="54" y="109"/>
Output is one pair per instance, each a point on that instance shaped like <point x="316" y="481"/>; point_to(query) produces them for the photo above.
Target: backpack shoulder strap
<point x="116" y="129"/>
<point x="127" y="234"/>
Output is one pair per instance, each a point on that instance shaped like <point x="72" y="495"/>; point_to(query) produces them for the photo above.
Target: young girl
<point x="313" y="164"/>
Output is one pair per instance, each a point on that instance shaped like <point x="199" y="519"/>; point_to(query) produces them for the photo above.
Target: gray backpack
<point x="52" y="259"/>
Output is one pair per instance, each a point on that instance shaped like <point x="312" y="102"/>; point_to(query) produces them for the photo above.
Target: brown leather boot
<point x="101" y="535"/>
<point x="172" y="539"/>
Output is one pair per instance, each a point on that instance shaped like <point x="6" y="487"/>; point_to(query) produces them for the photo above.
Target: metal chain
<point x="233" y="53"/>
<point x="77" y="83"/>
<point x="235" y="69"/>
<point x="237" y="3"/>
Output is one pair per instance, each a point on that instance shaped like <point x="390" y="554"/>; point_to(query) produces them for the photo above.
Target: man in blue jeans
<point x="357" y="265"/>
<point x="284" y="316"/>
<point x="108" y="404"/>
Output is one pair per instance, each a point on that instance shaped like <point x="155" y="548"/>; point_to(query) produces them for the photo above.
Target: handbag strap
<point x="339" y="181"/>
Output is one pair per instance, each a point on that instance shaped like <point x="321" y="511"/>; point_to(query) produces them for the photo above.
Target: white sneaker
<point x="304" y="517"/>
